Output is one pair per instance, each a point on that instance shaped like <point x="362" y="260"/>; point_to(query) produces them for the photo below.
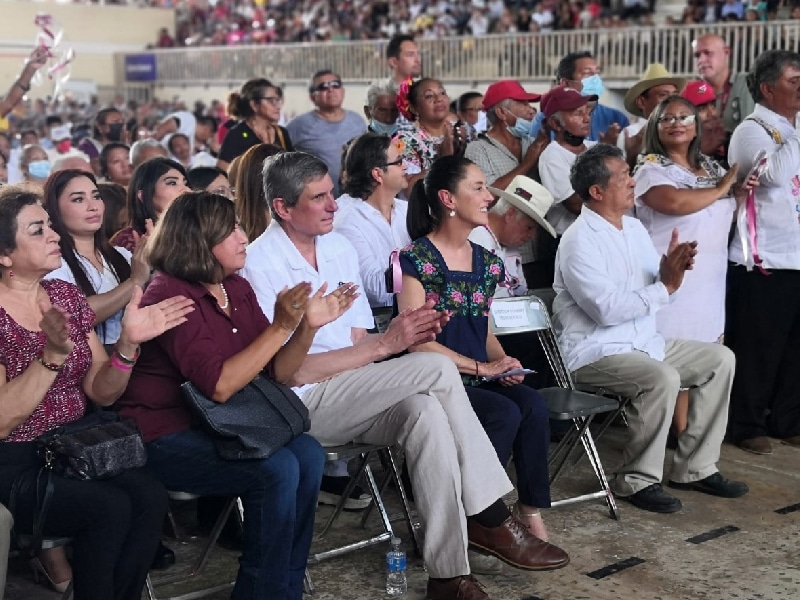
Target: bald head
<point x="74" y="161"/>
<point x="711" y="56"/>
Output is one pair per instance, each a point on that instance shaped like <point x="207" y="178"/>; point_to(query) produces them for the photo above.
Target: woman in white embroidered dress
<point x="678" y="188"/>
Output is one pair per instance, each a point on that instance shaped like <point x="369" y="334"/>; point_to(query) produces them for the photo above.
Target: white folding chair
<point x="528" y="314"/>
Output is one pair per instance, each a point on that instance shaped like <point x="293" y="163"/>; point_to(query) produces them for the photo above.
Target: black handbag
<point x="97" y="446"/>
<point x="256" y="421"/>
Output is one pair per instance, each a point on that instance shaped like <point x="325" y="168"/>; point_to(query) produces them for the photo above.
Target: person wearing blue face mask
<point x="34" y="165"/>
<point x="579" y="71"/>
<point x="506" y="150"/>
<point x="380" y="109"/>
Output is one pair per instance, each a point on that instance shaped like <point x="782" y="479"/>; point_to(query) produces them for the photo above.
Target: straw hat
<point x="656" y="74"/>
<point x="529" y="197"/>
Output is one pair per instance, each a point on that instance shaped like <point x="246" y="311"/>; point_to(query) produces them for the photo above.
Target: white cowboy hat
<point x="529" y="197"/>
<point x="656" y="74"/>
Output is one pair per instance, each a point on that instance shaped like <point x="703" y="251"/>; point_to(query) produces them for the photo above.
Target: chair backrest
<point x="529" y="314"/>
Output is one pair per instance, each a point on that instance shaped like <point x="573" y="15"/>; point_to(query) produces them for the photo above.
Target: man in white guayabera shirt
<point x="763" y="327"/>
<point x="609" y="284"/>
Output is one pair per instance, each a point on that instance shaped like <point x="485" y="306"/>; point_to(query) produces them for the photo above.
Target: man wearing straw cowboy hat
<point x="656" y="85"/>
<point x="512" y="223"/>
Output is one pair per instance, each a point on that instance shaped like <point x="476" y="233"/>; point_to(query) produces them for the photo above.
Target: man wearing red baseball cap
<point x="701" y="95"/>
<point x="506" y="150"/>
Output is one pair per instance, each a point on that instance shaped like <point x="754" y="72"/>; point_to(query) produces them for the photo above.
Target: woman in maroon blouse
<point x="51" y="363"/>
<point x="196" y="249"/>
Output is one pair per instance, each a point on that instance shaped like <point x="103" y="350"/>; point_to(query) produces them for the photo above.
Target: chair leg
<point x="363" y="460"/>
<point x="594" y="459"/>
<point x="148" y="586"/>
<point x="378" y="500"/>
<point x="308" y="585"/>
<point x="395" y="472"/>
<point x="557" y="466"/>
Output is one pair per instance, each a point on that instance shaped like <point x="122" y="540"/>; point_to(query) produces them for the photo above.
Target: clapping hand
<point x="55" y="327"/>
<point x="323" y="309"/>
<point x="611" y="135"/>
<point x="678" y="260"/>
<point x="141" y="324"/>
<point x="290" y="306"/>
<point x="413" y="327"/>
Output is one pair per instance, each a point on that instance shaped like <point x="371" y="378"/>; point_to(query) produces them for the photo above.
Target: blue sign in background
<point x="140" y="67"/>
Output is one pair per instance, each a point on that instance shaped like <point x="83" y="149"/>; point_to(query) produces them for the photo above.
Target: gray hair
<point x="385" y="87"/>
<point x="138" y="146"/>
<point x="491" y="115"/>
<point x="652" y="141"/>
<point x="590" y="169"/>
<point x="286" y="175"/>
<point x="768" y="68"/>
<point x="25" y="155"/>
<point x="503" y="206"/>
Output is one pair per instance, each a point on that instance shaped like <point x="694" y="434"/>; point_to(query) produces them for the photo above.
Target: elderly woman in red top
<point x="197" y="248"/>
<point x="51" y="364"/>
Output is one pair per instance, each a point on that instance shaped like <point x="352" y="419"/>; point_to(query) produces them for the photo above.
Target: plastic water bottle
<point x="396" y="583"/>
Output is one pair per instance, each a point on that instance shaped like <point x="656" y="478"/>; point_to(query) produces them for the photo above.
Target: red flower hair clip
<point x="402" y="103"/>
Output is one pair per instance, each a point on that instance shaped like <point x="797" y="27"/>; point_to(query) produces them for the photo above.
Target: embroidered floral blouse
<point x="466" y="297"/>
<point x="420" y="148"/>
<point x="65" y="401"/>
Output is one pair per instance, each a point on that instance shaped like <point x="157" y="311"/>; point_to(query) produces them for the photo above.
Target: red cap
<point x="507" y="89"/>
<point x="699" y="93"/>
<point x="563" y="98"/>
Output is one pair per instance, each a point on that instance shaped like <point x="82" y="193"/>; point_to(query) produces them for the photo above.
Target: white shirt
<point x="777" y="199"/>
<point x="102" y="282"/>
<point x="632" y="130"/>
<point x="273" y="262"/>
<point x="554" y="165"/>
<point x="607" y="291"/>
<point x="374" y="239"/>
<point x="697" y="311"/>
<point x="515" y="280"/>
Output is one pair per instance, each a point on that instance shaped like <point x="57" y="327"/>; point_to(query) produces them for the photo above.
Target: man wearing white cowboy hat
<point x="656" y="84"/>
<point x="512" y="223"/>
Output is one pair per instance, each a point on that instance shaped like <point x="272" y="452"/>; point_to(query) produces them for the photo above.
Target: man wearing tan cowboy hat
<point x="656" y="84"/>
<point x="512" y="223"/>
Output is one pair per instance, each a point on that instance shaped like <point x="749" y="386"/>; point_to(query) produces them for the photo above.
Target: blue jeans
<point x="279" y="495"/>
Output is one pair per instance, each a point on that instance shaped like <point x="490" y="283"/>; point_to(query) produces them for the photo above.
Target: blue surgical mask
<point x="521" y="129"/>
<point x="39" y="169"/>
<point x="383" y="128"/>
<point x="592" y="86"/>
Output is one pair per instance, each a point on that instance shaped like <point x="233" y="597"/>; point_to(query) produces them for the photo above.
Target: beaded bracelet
<point x="50" y="366"/>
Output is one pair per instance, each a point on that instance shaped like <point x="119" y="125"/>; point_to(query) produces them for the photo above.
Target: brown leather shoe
<point x="756" y="445"/>
<point x="792" y="441"/>
<point x="460" y="588"/>
<point x="513" y="543"/>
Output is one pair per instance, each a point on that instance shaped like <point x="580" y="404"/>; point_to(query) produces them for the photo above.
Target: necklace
<point x="224" y="295"/>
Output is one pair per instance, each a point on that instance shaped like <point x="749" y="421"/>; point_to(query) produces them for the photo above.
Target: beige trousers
<point x="418" y="402"/>
<point x="6" y="523"/>
<point x="707" y="369"/>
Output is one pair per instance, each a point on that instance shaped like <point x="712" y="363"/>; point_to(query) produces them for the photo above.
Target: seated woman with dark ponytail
<point x="444" y="266"/>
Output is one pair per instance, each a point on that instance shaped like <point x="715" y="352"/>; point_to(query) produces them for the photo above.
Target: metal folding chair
<point x="362" y="453"/>
<point x="528" y="314"/>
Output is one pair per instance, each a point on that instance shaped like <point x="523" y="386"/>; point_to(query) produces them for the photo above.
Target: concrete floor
<point x="748" y="548"/>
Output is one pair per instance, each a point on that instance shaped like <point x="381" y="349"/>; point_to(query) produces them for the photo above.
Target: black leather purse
<point x="97" y="446"/>
<point x="255" y="422"/>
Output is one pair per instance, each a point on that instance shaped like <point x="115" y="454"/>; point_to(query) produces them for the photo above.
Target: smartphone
<point x="510" y="373"/>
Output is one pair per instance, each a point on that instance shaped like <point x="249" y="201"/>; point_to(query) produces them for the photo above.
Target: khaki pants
<point x="418" y="401"/>
<point x="707" y="369"/>
<point x="6" y="523"/>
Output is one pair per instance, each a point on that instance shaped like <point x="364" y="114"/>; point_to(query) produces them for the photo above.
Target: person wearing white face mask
<point x="579" y="71"/>
<point x="380" y="109"/>
<point x="34" y="165"/>
<point x="505" y="150"/>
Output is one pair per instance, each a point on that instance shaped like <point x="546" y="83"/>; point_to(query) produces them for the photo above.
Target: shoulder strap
<point x="279" y="136"/>
<point x="770" y="129"/>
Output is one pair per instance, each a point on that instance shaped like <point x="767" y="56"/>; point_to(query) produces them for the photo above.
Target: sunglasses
<point x="670" y="121"/>
<point x="334" y="84"/>
<point x="274" y="100"/>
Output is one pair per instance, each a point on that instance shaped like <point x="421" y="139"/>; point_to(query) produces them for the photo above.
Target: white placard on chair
<point x="510" y="314"/>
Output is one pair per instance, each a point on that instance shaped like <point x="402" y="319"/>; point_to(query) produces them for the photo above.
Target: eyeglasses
<point x="274" y="100"/>
<point x="670" y="121"/>
<point x="394" y="163"/>
<point x="334" y="84"/>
